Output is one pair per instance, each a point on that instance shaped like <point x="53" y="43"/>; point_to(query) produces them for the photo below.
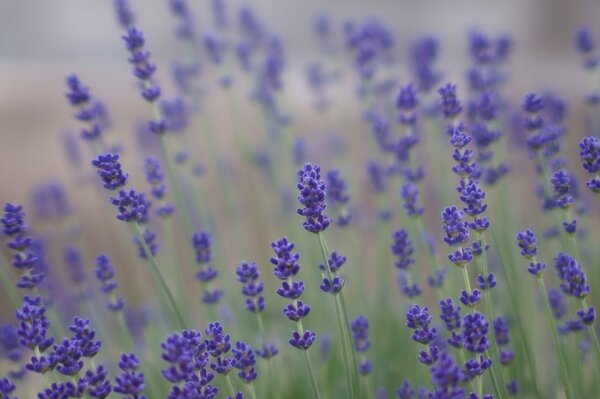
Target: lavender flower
<point x="106" y="274"/>
<point x="155" y="176"/>
<point x="360" y="334"/>
<point x="286" y="266"/>
<point x="336" y="191"/>
<point x="475" y="330"/>
<point x="7" y="388"/>
<point x="419" y="319"/>
<point x="312" y="198"/>
<point x="125" y="15"/>
<point x="218" y="346"/>
<point x="245" y="362"/>
<point x="24" y="257"/>
<point x="410" y="194"/>
<point x="143" y="69"/>
<point x="527" y="241"/>
<point x="33" y="327"/>
<point x="202" y="243"/>
<point x="574" y="282"/>
<point x="561" y="185"/>
<point x="87" y="111"/>
<point x="402" y="247"/>
<point x="247" y="274"/>
<point x="589" y="152"/>
<point x="447" y="376"/>
<point x="449" y="102"/>
<point x="130" y="382"/>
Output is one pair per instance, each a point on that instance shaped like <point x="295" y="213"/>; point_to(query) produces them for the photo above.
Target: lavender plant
<point x="221" y="144"/>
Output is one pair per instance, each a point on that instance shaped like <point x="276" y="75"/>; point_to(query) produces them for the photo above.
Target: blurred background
<point x="42" y="42"/>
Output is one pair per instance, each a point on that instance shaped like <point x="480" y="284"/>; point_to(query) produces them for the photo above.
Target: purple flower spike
<point x="312" y="197"/>
<point x="110" y="171"/>
<point x="130" y="381"/>
<point x="247" y="273"/>
<point x="527" y="241"/>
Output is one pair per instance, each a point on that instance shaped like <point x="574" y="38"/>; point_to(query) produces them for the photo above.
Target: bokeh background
<point x="41" y="42"/>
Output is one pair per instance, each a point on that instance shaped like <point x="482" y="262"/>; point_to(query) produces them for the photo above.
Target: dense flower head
<point x="476" y="367"/>
<point x="312" y="198"/>
<point x="472" y="196"/>
<point x="110" y="171"/>
<point x="85" y="337"/>
<point x="449" y="101"/>
<point x="245" y="361"/>
<point x="130" y="381"/>
<point x="285" y="261"/>
<point x="475" y="330"/>
<point x="455" y="227"/>
<point x="336" y="187"/>
<point x="527" y="241"/>
<point x="403" y="249"/>
<point x="186" y="354"/>
<point x="132" y="205"/>
<point x="33" y="324"/>
<point x="68" y="356"/>
<point x="573" y="279"/>
<point x="450" y="314"/>
<point x="418" y="319"/>
<point x="377" y="178"/>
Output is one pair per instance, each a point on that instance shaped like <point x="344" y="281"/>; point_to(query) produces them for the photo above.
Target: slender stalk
<point x="311" y="374"/>
<point x="592" y="331"/>
<point x="251" y="390"/>
<point x="351" y="367"/>
<point x="480" y="386"/>
<point x="510" y="279"/>
<point x="169" y="231"/>
<point x="157" y="272"/>
<point x="230" y="386"/>
<point x="561" y="357"/>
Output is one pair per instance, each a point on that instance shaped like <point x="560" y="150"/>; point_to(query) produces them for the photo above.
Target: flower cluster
<point x="286" y="267"/>
<point x="88" y="111"/>
<point x="155" y="176"/>
<point x="202" y="243"/>
<point x="589" y="152"/>
<point x="360" y="334"/>
<point x="247" y="274"/>
<point x="312" y="198"/>
<point x="24" y="257"/>
<point x="336" y="191"/>
<point x="105" y="272"/>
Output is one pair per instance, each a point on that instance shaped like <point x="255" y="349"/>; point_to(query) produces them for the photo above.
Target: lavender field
<point x="224" y="200"/>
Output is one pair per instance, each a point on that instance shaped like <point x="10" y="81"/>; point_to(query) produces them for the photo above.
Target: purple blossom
<point x="312" y="198"/>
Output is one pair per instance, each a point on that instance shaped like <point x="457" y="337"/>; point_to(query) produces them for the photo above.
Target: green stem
<point x="251" y="390"/>
<point x="350" y="363"/>
<point x="159" y="276"/>
<point x="38" y="355"/>
<point x="592" y="331"/>
<point x="508" y="274"/>
<point x="169" y="231"/>
<point x="561" y="356"/>
<point x="230" y="386"/>
<point x="311" y="375"/>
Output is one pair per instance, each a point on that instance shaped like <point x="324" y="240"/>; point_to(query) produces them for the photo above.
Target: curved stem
<point x="561" y="358"/>
<point x="342" y="320"/>
<point x="311" y="375"/>
<point x="159" y="276"/>
<point x="230" y="386"/>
